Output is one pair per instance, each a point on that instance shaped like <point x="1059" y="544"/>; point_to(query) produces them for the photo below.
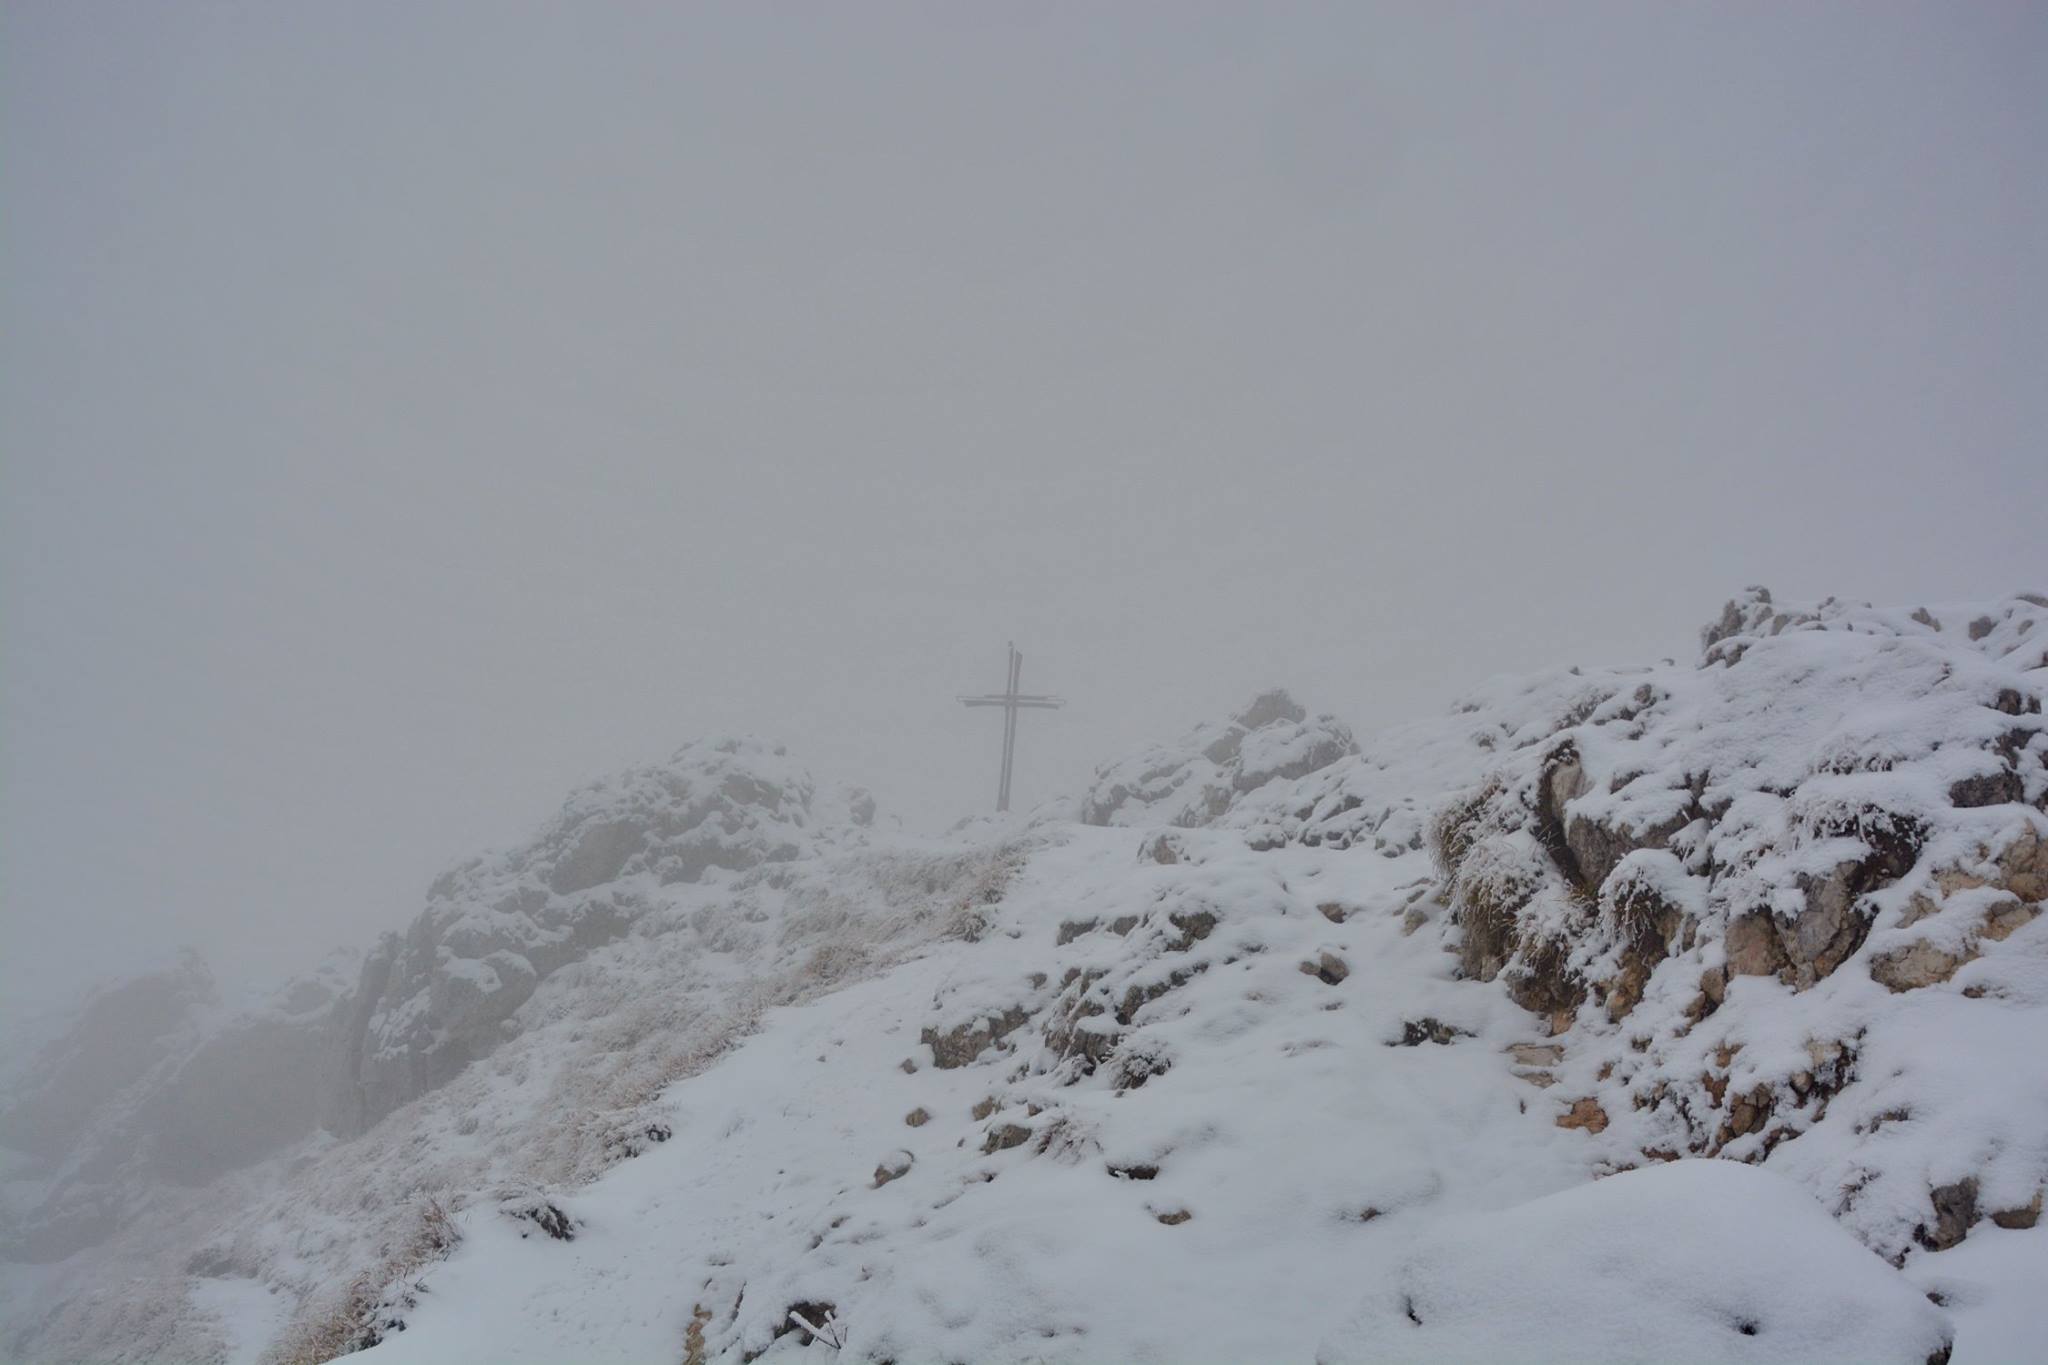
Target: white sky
<point x="410" y="410"/>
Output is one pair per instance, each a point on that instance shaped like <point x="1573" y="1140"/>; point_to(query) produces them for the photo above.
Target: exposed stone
<point x="1832" y="926"/>
<point x="894" y="1166"/>
<point x="1004" y="1136"/>
<point x="1415" y="1032"/>
<point x="1988" y="789"/>
<point x="1174" y="1217"/>
<point x="1747" y="1113"/>
<point x="1649" y="927"/>
<point x="2023" y="866"/>
<point x="918" y="1117"/>
<point x="1586" y="1114"/>
<point x="2025" y="1216"/>
<point x="2003" y="918"/>
<point x="1543" y="981"/>
<point x="958" y="1046"/>
<point x="546" y="1216"/>
<point x="1333" y="911"/>
<point x="1915" y="965"/>
<point x="1714" y="984"/>
<point x="1753" y="945"/>
<point x="1536" y="1054"/>
<point x="1327" y="968"/>
<point x="1955" y="1209"/>
<point x="1194" y="926"/>
<point x="1924" y="964"/>
<point x="1163" y="849"/>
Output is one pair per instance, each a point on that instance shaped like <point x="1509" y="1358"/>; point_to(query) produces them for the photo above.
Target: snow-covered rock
<point x="434" y="999"/>
<point x="1197" y="779"/>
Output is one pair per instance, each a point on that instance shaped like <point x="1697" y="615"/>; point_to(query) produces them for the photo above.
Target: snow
<point x="249" y="1314"/>
<point x="1311" y="1156"/>
<point x="1202" y="1076"/>
<point x="1696" y="1260"/>
<point x="767" y="1184"/>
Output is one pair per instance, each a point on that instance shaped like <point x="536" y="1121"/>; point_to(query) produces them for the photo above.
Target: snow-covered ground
<point x="1689" y="1011"/>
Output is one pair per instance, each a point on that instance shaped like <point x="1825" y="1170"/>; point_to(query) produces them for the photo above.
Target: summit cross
<point x="1012" y="701"/>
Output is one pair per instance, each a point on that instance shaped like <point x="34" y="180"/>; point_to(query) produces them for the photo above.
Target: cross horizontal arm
<point x="1027" y="702"/>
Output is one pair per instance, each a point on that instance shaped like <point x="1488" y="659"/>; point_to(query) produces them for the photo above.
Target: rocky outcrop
<point x="1833" y="790"/>
<point x="155" y="1083"/>
<point x="118" y="1035"/>
<point x="1196" y="780"/>
<point x="435" y="998"/>
<point x="1786" y="850"/>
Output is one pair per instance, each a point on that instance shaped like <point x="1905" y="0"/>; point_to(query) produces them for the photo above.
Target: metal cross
<point x="1012" y="701"/>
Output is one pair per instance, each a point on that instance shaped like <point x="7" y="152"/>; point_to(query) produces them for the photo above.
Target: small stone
<point x="1174" y="1218"/>
<point x="1004" y="1136"/>
<point x="1955" y="1209"/>
<point x="1328" y="969"/>
<point x="918" y="1117"/>
<point x="1332" y="911"/>
<point x="983" y="1107"/>
<point x="2026" y="1216"/>
<point x="1536" y="1054"/>
<point x="1415" y="1032"/>
<point x="894" y="1166"/>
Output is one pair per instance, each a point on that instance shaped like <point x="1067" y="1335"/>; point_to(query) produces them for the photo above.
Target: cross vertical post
<point x="1012" y="701"/>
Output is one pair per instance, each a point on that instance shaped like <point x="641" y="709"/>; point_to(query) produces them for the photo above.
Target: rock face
<point x="1587" y="858"/>
<point x="1833" y="791"/>
<point x="1196" y="780"/>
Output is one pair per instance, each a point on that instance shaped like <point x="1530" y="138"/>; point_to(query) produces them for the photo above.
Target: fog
<point x="410" y="411"/>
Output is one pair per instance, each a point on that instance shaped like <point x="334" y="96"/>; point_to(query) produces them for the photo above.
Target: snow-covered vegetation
<point x="1683" y="1011"/>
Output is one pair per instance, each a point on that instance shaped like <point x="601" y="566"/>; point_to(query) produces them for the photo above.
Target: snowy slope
<point x="1682" y="1011"/>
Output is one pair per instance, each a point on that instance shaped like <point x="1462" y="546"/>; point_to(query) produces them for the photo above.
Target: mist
<point x="411" y="411"/>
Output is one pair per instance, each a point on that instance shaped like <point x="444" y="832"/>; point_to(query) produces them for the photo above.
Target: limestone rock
<point x="1585" y="1113"/>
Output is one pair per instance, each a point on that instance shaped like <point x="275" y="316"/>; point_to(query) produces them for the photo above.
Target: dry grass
<point x="358" y="1317"/>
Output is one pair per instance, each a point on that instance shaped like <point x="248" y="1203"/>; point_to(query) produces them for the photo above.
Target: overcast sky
<point x="412" y="410"/>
